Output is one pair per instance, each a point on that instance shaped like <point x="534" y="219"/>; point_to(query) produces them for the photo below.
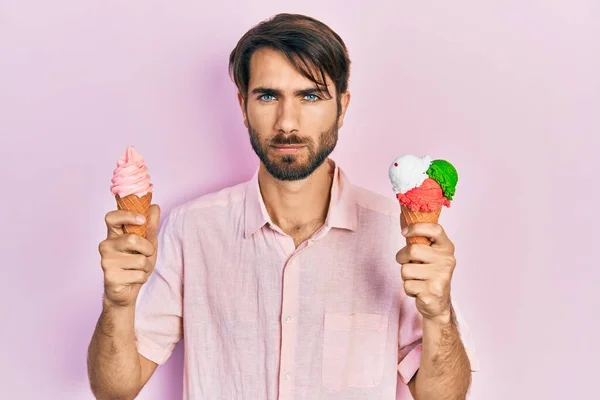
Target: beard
<point x="291" y="167"/>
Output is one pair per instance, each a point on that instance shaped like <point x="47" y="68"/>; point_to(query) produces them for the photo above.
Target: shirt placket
<point x="289" y="326"/>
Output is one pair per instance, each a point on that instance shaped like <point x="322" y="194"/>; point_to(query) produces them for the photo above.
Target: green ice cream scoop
<point x="446" y="175"/>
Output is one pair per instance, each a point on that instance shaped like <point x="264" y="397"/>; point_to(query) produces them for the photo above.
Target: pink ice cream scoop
<point x="131" y="175"/>
<point x="425" y="198"/>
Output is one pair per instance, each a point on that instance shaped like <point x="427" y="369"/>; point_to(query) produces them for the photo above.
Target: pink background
<point x="507" y="90"/>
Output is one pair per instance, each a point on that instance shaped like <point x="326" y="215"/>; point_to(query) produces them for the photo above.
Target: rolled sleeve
<point x="158" y="317"/>
<point x="410" y="335"/>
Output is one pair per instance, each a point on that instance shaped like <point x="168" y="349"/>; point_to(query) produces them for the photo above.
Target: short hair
<point x="309" y="44"/>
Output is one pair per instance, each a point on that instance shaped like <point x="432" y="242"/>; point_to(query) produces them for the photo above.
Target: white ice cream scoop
<point x="408" y="172"/>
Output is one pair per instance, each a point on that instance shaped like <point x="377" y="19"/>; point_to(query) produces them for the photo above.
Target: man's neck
<point x="298" y="207"/>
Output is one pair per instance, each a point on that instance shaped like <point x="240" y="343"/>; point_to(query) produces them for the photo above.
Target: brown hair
<point x="309" y="44"/>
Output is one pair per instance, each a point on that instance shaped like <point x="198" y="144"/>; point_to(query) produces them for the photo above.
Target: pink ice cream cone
<point x="132" y="187"/>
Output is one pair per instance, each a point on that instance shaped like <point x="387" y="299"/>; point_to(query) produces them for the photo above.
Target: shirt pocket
<point x="354" y="350"/>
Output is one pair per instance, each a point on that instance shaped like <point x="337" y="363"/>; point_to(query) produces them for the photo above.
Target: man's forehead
<point x="272" y="69"/>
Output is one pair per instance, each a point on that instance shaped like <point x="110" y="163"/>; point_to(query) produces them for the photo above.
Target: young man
<point x="287" y="286"/>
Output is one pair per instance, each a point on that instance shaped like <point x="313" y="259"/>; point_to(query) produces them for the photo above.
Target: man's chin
<point x="287" y="171"/>
<point x="288" y="162"/>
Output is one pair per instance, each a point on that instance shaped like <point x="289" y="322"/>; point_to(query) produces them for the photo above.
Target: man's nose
<point x="288" y="116"/>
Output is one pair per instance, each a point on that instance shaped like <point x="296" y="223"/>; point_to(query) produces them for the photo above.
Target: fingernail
<point x="404" y="231"/>
<point x="140" y="219"/>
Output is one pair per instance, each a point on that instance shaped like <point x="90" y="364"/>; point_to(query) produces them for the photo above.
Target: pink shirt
<point x="262" y="319"/>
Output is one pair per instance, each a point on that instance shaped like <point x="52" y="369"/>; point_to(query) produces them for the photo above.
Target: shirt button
<point x="286" y="376"/>
<point x="288" y="320"/>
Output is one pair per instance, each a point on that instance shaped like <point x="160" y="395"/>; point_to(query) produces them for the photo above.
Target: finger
<point x="414" y="288"/>
<point x="115" y="220"/>
<point x="133" y="276"/>
<point x="418" y="272"/>
<point x="153" y="224"/>
<point x="133" y="243"/>
<point x="415" y="253"/>
<point x="126" y="262"/>
<point x="435" y="233"/>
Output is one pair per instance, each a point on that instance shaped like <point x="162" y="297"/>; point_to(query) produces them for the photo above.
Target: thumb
<point x="153" y="223"/>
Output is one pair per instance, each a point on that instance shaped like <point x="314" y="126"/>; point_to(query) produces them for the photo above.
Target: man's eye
<point x="311" y="97"/>
<point x="267" y="97"/>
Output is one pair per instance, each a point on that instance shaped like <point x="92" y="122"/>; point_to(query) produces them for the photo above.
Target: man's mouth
<point x="287" y="148"/>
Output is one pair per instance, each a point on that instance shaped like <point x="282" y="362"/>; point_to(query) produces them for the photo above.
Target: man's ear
<point x="243" y="108"/>
<point x="345" y="102"/>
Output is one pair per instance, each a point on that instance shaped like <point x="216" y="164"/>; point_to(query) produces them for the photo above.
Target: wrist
<point x="109" y="305"/>
<point x="116" y="320"/>
<point x="442" y="319"/>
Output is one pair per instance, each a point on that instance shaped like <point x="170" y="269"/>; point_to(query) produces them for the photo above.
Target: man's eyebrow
<point x="306" y="92"/>
<point x="278" y="93"/>
<point x="266" y="90"/>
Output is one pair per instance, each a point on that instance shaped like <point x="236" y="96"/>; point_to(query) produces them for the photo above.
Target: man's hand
<point x="127" y="259"/>
<point x="427" y="270"/>
<point x="444" y="371"/>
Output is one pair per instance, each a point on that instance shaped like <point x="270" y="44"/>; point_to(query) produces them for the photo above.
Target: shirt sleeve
<point x="158" y="317"/>
<point x="411" y="334"/>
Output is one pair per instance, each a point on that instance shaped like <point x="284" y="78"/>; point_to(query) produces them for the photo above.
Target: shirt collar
<point x="342" y="211"/>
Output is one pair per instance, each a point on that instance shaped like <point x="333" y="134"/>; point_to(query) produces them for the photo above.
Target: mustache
<point x="281" y="139"/>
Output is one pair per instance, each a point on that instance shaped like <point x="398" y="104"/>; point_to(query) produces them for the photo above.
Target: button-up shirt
<point x="264" y="319"/>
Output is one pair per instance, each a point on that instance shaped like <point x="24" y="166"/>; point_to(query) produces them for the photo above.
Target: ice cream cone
<point x="409" y="217"/>
<point x="137" y="204"/>
<point x="423" y="185"/>
<point x="132" y="187"/>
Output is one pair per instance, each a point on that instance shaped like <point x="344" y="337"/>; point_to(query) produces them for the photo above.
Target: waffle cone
<point x="409" y="217"/>
<point x="139" y="205"/>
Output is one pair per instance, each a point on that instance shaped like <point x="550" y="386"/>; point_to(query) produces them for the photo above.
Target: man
<point x="287" y="286"/>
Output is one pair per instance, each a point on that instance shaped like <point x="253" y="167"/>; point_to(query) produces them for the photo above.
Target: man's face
<point x="293" y="126"/>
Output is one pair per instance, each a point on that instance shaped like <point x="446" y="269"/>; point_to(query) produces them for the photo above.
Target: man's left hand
<point x="427" y="270"/>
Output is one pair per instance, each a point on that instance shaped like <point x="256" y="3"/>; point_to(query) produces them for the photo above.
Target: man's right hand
<point x="128" y="259"/>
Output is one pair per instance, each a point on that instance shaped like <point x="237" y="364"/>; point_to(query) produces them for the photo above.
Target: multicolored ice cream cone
<point x="422" y="187"/>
